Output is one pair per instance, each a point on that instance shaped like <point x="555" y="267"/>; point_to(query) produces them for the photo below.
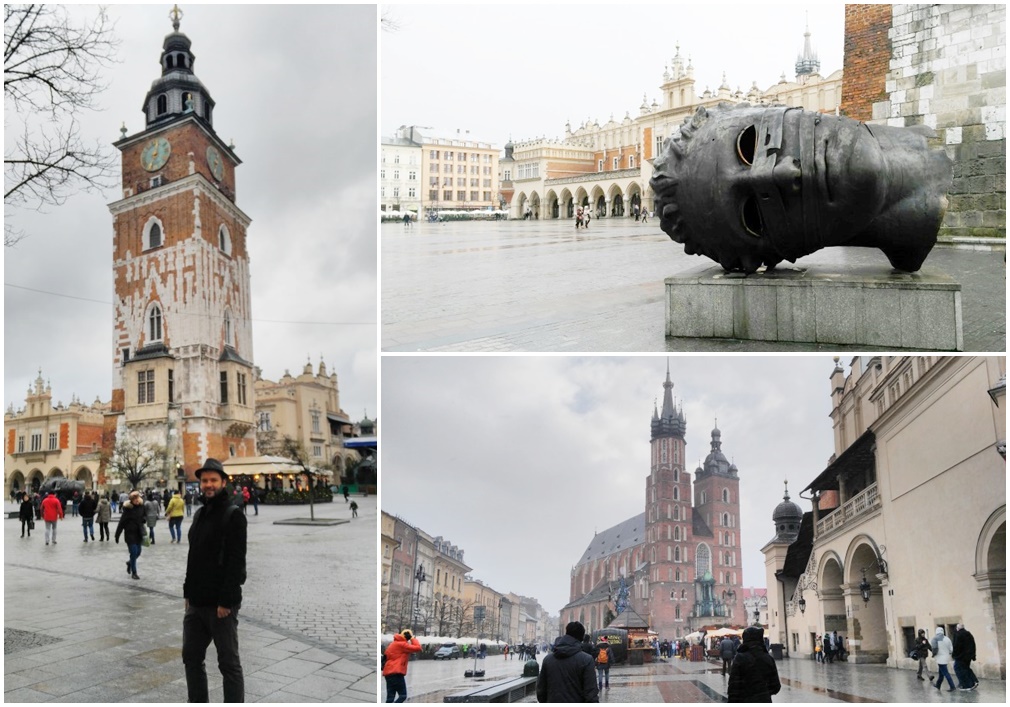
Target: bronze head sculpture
<point x="754" y="185"/>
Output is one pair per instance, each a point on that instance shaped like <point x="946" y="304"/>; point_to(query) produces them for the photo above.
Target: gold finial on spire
<point x="175" y="15"/>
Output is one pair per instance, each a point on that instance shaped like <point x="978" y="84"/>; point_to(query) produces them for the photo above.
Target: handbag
<point x="31" y="524"/>
<point x="146" y="541"/>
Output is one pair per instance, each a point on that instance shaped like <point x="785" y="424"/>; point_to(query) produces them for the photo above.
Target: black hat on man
<point x="576" y="630"/>
<point x="212" y="465"/>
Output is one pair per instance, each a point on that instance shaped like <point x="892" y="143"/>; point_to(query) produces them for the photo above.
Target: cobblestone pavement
<point x="78" y="629"/>
<point x="543" y="286"/>
<point x="680" y="681"/>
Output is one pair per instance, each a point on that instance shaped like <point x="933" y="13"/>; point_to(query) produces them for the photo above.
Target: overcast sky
<point x="520" y="460"/>
<point x="522" y="70"/>
<point x="295" y="89"/>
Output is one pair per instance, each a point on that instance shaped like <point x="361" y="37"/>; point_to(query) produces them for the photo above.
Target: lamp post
<point x="803" y="605"/>
<point x="419" y="577"/>
<point x="180" y="476"/>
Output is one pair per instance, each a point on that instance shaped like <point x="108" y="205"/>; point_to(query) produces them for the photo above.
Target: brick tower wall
<point x="866" y="60"/>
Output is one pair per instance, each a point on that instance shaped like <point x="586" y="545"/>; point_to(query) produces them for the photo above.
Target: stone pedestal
<point x="818" y="304"/>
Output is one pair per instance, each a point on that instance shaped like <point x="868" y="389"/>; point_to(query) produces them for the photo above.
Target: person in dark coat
<point x="727" y="649"/>
<point x="753" y="677"/>
<point x="569" y="673"/>
<point x="215" y="573"/>
<point x="87" y="510"/>
<point x="133" y="524"/>
<point x="26" y="512"/>
<point x="964" y="653"/>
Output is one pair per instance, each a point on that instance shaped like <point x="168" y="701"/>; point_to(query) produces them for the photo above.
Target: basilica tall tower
<point x="667" y="516"/>
<point x="182" y="334"/>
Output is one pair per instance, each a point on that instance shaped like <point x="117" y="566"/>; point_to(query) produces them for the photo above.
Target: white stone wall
<point x="948" y="71"/>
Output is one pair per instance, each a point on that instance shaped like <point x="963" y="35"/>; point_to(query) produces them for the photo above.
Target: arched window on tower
<point x="162" y="104"/>
<point x="154" y="324"/>
<point x="229" y="339"/>
<point x="676" y="475"/>
<point x="676" y="554"/>
<point x="224" y="240"/>
<point x="676" y="533"/>
<point x="725" y="495"/>
<point x="704" y="497"/>
<point x="725" y="519"/>
<point x="676" y="493"/>
<point x="153" y="235"/>
<point x="678" y="575"/>
<point x="182" y="61"/>
<point x="676" y="512"/>
<point x="170" y="62"/>
<point x="676" y="611"/>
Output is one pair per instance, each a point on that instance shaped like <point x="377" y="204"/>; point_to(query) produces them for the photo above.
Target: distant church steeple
<point x="807" y="62"/>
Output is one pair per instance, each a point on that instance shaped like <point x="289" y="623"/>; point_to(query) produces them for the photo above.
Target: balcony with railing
<point x="866" y="501"/>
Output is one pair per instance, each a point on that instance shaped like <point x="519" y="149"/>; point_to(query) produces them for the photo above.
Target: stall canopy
<point x="250" y="466"/>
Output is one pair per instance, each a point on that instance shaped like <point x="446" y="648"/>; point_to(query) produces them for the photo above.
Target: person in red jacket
<point x="52" y="511"/>
<point x="395" y="670"/>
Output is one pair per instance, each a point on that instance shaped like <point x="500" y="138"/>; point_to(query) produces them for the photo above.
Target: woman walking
<point x="131" y="524"/>
<point x="174" y="512"/>
<point x="152" y="508"/>
<point x="103" y="516"/>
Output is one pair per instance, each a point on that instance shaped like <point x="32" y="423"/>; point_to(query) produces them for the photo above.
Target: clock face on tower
<point x="215" y="163"/>
<point x="155" y="154"/>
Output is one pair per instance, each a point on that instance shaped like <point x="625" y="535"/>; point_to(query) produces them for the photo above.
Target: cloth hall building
<point x="680" y="560"/>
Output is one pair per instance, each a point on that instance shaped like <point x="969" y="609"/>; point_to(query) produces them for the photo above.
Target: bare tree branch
<point x="52" y="70"/>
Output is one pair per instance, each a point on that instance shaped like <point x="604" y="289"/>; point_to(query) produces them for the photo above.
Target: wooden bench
<point x="511" y="690"/>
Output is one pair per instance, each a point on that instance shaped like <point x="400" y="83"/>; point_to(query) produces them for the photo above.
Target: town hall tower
<point x="182" y="334"/>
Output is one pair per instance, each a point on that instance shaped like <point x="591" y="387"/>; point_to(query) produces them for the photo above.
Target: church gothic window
<point x="676" y="554"/>
<point x="228" y="338"/>
<point x="676" y="611"/>
<point x="676" y="493"/>
<point x="154" y="324"/>
<point x="662" y="452"/>
<point x="676" y="512"/>
<point x="676" y="476"/>
<point x="676" y="533"/>
<point x="703" y="560"/>
<point x="725" y="495"/>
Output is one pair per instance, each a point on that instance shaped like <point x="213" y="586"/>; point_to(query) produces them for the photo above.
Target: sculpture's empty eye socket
<point x="750" y="214"/>
<point x="745" y="145"/>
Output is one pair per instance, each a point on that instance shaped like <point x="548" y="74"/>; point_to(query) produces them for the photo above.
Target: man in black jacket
<point x="568" y="674"/>
<point x="964" y="653"/>
<point x="215" y="573"/>
<point x="753" y="677"/>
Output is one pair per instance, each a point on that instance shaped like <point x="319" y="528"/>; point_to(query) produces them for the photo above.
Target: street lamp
<point x="757" y="615"/>
<point x="803" y="605"/>
<point x="864" y="587"/>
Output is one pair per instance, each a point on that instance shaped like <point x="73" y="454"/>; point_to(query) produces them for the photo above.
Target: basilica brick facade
<point x="678" y="564"/>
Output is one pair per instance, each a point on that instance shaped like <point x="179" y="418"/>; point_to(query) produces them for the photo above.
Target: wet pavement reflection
<point x="803" y="681"/>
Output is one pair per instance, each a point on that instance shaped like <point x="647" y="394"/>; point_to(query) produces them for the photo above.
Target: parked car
<point x="447" y="650"/>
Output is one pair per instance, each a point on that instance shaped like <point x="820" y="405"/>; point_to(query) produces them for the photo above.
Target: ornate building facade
<point x="182" y="331"/>
<point x="918" y="473"/>
<point x="44" y="441"/>
<point x="678" y="564"/>
<point x="607" y="168"/>
<point x="305" y="408"/>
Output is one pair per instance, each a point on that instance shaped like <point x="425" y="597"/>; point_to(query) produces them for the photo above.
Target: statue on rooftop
<point x="755" y="185"/>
